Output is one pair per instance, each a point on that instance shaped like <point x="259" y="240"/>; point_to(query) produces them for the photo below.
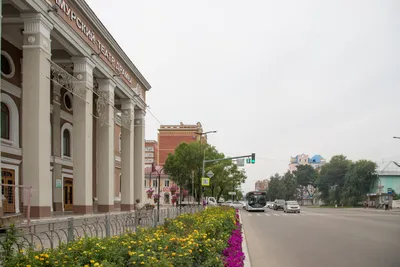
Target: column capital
<point x="106" y="85"/>
<point x="36" y="23"/>
<point x="83" y="64"/>
<point x="140" y="113"/>
<point x="127" y="104"/>
<point x="37" y="32"/>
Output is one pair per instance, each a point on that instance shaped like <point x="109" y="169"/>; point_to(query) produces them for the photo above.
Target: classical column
<point x="127" y="147"/>
<point x="83" y="135"/>
<point x="139" y="154"/>
<point x="36" y="111"/>
<point x="57" y="143"/>
<point x="1" y="16"/>
<point x="105" y="146"/>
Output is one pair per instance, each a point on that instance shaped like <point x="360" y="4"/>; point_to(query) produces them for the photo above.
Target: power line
<point x="151" y="113"/>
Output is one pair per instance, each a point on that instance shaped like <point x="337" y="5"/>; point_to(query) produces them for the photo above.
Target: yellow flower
<point x="96" y="264"/>
<point x="37" y="257"/>
<point x="91" y="261"/>
<point x="142" y="263"/>
<point x="28" y="265"/>
<point x="41" y="259"/>
<point x="86" y="265"/>
<point x="173" y="254"/>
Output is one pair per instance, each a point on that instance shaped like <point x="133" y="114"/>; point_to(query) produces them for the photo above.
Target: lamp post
<point x="204" y="158"/>
<point x="153" y="169"/>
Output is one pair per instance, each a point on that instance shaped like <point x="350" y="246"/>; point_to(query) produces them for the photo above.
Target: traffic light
<point x="253" y="158"/>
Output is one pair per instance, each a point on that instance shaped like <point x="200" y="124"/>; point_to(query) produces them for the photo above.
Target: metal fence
<point x="15" y="200"/>
<point x="51" y="234"/>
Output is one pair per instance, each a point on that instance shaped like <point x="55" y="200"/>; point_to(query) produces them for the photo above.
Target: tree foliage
<point x="282" y="187"/>
<point x="187" y="160"/>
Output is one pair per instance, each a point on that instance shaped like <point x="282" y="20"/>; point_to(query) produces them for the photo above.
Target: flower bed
<point x="234" y="256"/>
<point x="199" y="239"/>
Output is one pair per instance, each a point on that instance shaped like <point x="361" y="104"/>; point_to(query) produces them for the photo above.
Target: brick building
<point x="151" y="153"/>
<point x="170" y="136"/>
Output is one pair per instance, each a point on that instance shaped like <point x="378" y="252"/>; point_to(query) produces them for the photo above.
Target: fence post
<point x="136" y="213"/>
<point x="155" y="213"/>
<point x="107" y="219"/>
<point x="168" y="213"/>
<point x="70" y="230"/>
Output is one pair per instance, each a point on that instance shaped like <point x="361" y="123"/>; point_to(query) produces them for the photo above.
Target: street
<point x="323" y="237"/>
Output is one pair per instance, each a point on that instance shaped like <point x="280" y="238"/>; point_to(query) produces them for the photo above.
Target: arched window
<point x="66" y="143"/>
<point x="67" y="140"/>
<point x="9" y="121"/>
<point x="5" y="122"/>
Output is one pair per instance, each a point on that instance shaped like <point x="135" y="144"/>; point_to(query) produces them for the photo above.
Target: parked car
<point x="227" y="203"/>
<point x="236" y="205"/>
<point x="279" y="204"/>
<point x="291" y="206"/>
<point x="270" y="205"/>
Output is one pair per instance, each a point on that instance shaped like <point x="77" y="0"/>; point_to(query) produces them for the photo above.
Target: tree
<point x="289" y="185"/>
<point x="306" y="175"/>
<point x="332" y="177"/>
<point x="358" y="180"/>
<point x="275" y="190"/>
<point x="186" y="160"/>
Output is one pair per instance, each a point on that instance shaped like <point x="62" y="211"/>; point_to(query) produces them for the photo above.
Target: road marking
<point x="266" y="214"/>
<point x="250" y="214"/>
<point x="258" y="214"/>
<point x="276" y="214"/>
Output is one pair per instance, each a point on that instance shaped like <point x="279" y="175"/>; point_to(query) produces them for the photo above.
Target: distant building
<point x="316" y="161"/>
<point x="170" y="136"/>
<point x="261" y="185"/>
<point x="151" y="153"/>
<point x="388" y="178"/>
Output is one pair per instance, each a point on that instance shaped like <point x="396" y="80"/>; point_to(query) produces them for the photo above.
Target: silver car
<point x="236" y="205"/>
<point x="291" y="206"/>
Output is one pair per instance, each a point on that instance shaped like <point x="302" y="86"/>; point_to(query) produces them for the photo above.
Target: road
<point x="323" y="237"/>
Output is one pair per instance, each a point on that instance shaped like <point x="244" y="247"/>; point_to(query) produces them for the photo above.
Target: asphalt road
<point x="323" y="237"/>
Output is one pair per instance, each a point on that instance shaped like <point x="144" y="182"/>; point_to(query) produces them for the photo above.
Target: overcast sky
<point x="277" y="78"/>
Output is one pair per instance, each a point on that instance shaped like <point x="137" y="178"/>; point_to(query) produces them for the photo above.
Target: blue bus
<point x="256" y="201"/>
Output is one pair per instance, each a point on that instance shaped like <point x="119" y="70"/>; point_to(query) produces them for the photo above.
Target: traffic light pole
<point x="214" y="160"/>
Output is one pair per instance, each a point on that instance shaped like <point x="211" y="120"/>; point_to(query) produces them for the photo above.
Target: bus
<point x="256" y="201"/>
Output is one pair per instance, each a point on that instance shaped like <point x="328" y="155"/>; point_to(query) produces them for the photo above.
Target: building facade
<point x="151" y="153"/>
<point x="82" y="96"/>
<point x="315" y="161"/>
<point x="170" y="136"/>
<point x="261" y="185"/>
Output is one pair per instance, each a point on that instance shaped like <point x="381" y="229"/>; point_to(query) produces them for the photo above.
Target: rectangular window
<point x="148" y="160"/>
<point x="145" y="182"/>
<point x="166" y="183"/>
<point x="149" y="155"/>
<point x="154" y="183"/>
<point x="149" y="148"/>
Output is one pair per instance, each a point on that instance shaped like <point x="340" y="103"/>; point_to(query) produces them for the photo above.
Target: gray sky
<point x="277" y="78"/>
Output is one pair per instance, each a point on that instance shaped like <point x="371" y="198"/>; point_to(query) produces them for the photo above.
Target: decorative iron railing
<point x="51" y="234"/>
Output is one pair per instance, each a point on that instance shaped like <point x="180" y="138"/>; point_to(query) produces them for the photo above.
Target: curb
<point x="247" y="262"/>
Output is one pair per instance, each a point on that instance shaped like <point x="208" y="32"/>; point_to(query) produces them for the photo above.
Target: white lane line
<point x="250" y="214"/>
<point x="258" y="214"/>
<point x="276" y="214"/>
<point x="266" y="214"/>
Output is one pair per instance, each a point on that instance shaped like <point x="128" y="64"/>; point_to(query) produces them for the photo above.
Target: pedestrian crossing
<point x="280" y="214"/>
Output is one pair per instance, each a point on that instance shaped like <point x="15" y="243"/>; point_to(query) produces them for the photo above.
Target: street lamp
<point x="204" y="163"/>
<point x="153" y="169"/>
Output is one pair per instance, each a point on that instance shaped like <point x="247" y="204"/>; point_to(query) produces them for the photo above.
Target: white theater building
<point x="65" y="85"/>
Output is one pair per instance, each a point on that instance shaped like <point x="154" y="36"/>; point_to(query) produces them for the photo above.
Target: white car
<point x="227" y="203"/>
<point x="236" y="205"/>
<point x="291" y="206"/>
